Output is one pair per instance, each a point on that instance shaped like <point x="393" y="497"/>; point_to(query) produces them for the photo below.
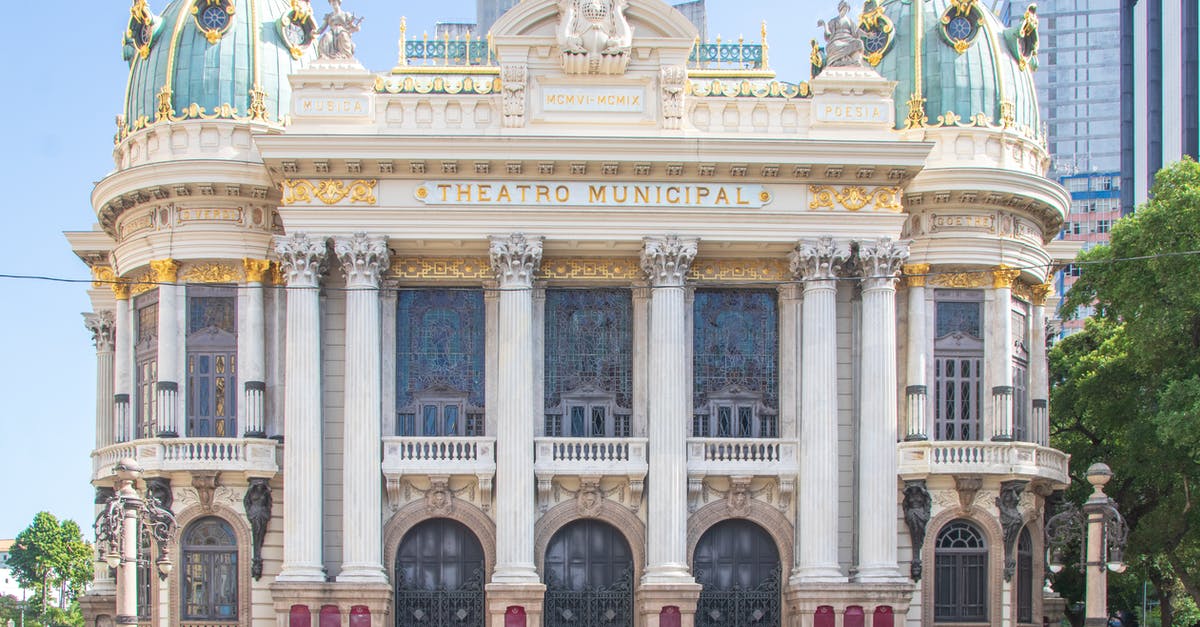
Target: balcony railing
<point x="439" y="455"/>
<point x="741" y="456"/>
<point x="1016" y="459"/>
<point x="590" y="456"/>
<point x="255" y="457"/>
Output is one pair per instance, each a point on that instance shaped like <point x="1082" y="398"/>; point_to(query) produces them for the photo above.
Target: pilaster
<point x="301" y="261"/>
<point x="818" y="263"/>
<point x="252" y="349"/>
<point x="166" y="389"/>
<point x="363" y="260"/>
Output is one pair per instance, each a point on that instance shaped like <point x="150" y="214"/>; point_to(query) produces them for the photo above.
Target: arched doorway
<point x="589" y="577"/>
<point x="439" y="576"/>
<point x="737" y="562"/>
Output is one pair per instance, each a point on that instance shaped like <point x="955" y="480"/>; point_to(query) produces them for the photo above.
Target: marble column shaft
<point x="123" y="423"/>
<point x="102" y="326"/>
<point x="363" y="259"/>
<point x="916" y="385"/>
<point x="666" y="262"/>
<point x="999" y="370"/>
<point x="1039" y="383"/>
<point x="877" y="485"/>
<point x="166" y="389"/>
<point x="515" y="259"/>
<point x="818" y="263"/>
<point x="252" y="352"/>
<point x="300" y="261"/>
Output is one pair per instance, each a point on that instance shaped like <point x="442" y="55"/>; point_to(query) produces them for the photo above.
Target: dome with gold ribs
<point x="213" y="59"/>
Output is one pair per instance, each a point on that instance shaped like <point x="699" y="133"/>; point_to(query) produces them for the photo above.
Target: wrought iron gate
<point x="737" y="607"/>
<point x="610" y="606"/>
<point x="462" y="606"/>
<point x="439" y="576"/>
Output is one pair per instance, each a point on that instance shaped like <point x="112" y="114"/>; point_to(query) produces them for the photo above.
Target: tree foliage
<point x="1126" y="390"/>
<point x="49" y="555"/>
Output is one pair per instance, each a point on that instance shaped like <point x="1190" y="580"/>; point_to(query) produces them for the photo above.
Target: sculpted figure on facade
<point x="917" y="510"/>
<point x="336" y="33"/>
<point x="594" y="36"/>
<point x="1011" y="521"/>
<point x="674" y="78"/>
<point x="843" y="39"/>
<point x="257" y="504"/>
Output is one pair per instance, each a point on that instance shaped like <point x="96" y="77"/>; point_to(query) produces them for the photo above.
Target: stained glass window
<point x="588" y="362"/>
<point x="735" y="363"/>
<point x="146" y="356"/>
<point x="958" y="365"/>
<point x="959" y="317"/>
<point x="210" y="571"/>
<point x="440" y="362"/>
<point x="212" y="362"/>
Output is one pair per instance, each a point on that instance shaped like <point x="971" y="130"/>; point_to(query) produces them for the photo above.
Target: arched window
<point x="960" y="574"/>
<point x="210" y="571"/>
<point x="439" y="575"/>
<point x="589" y="576"/>
<point x="737" y="562"/>
<point x="1027" y="585"/>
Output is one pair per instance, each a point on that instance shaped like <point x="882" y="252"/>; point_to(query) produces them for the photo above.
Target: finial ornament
<point x="363" y="258"/>
<point x="594" y="36"/>
<point x="843" y="39"/>
<point x="515" y="259"/>
<point x="666" y="260"/>
<point x="336" y="40"/>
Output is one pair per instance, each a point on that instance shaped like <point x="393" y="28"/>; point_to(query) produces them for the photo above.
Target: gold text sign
<point x="532" y="193"/>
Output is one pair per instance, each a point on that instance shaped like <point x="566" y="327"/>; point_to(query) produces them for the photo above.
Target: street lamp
<point x="126" y="524"/>
<point x="1101" y="533"/>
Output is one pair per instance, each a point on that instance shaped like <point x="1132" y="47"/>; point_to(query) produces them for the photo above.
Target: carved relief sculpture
<point x="674" y="77"/>
<point x="917" y="509"/>
<point x="336" y="33"/>
<point x="594" y="36"/>
<point x="1011" y="521"/>
<point x="843" y="39"/>
<point x="257" y="503"/>
<point x="159" y="489"/>
<point x="512" y="79"/>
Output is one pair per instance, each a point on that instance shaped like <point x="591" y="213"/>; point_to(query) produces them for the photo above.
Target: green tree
<point x="1126" y="390"/>
<point x="49" y="555"/>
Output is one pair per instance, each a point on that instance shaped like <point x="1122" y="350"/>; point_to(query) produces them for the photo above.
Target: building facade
<point x="595" y="325"/>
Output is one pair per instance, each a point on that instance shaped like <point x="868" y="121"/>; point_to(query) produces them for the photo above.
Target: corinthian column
<point x="916" y="391"/>
<point x="363" y="260"/>
<point x="300" y="260"/>
<point x="515" y="260"/>
<point x="166" y="389"/>
<point x="877" y="490"/>
<point x="123" y="427"/>
<point x="252" y="355"/>
<point x="817" y="263"/>
<point x="666" y="261"/>
<point x="999" y="353"/>
<point x="103" y="329"/>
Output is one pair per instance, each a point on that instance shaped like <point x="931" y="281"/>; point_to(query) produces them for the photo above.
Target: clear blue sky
<point x="64" y="80"/>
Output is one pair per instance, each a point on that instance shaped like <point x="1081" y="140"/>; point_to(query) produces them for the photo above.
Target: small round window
<point x="959" y="29"/>
<point x="876" y="41"/>
<point x="214" y="18"/>
<point x="295" y="34"/>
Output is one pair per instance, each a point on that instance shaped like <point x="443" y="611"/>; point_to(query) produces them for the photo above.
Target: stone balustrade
<point x="252" y="456"/>
<point x="741" y="456"/>
<point x="439" y="455"/>
<point x="1018" y="460"/>
<point x="590" y="456"/>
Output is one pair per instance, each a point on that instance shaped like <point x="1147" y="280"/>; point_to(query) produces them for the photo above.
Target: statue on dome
<point x="843" y="39"/>
<point x="336" y="33"/>
<point x="593" y="35"/>
<point x="1028" y="34"/>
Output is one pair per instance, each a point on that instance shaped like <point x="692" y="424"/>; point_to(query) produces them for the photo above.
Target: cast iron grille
<point x="608" y="606"/>
<point x="738" y="607"/>
<point x="461" y="606"/>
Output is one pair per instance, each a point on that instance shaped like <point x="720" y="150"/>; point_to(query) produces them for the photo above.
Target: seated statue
<point x="843" y="39"/>
<point x="336" y="33"/>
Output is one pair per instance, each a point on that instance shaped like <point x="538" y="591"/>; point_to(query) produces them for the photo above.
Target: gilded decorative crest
<point x="213" y="18"/>
<point x="878" y="31"/>
<point x="471" y="268"/>
<point x="297" y="28"/>
<point x="211" y="273"/>
<point x="855" y="198"/>
<point x="916" y="112"/>
<point x="140" y="33"/>
<point x="961" y="23"/>
<point x="329" y="191"/>
<point x="102" y="276"/>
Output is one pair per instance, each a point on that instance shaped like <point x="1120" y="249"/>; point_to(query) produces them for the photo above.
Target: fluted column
<point x="300" y="261"/>
<point x="666" y="261"/>
<point x="166" y="389"/>
<point x="101" y="324"/>
<point x="879" y="262"/>
<point x="252" y="353"/>
<point x="916" y="390"/>
<point x="123" y="426"/>
<point x="515" y="259"/>
<point x="999" y="353"/>
<point x="1039" y="376"/>
<point x="363" y="260"/>
<point x="817" y="263"/>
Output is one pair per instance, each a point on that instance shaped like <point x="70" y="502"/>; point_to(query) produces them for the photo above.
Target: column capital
<point x="364" y="258"/>
<point x="666" y="260"/>
<point x="300" y="259"/>
<point x="819" y="259"/>
<point x="515" y="259"/>
<point x="102" y="325"/>
<point x="880" y="261"/>
<point x="165" y="270"/>
<point x="915" y="274"/>
<point x="256" y="269"/>
<point x="1039" y="293"/>
<point x="1003" y="276"/>
<point x="120" y="289"/>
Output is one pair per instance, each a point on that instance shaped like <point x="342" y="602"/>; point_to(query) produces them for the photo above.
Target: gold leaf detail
<point x="212" y="273"/>
<point x="474" y="268"/>
<point x="328" y="191"/>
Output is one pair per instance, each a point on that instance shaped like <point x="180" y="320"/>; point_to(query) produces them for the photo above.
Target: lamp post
<point x="127" y="523"/>
<point x="1101" y="533"/>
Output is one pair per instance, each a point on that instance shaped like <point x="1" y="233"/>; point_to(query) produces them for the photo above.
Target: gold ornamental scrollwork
<point x="329" y="191"/>
<point x="120" y="289"/>
<point x="212" y="273"/>
<point x="915" y="274"/>
<point x="596" y="268"/>
<point x="472" y="268"/>
<point x="774" y="270"/>
<point x="141" y="283"/>
<point x="961" y="280"/>
<point x="855" y="198"/>
<point x="102" y="276"/>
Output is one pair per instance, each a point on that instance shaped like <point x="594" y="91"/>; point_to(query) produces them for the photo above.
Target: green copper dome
<point x="207" y="59"/>
<point x="956" y="55"/>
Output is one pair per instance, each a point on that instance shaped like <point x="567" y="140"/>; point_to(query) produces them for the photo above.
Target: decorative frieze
<point x="329" y="191"/>
<point x="773" y="270"/>
<point x="855" y="198"/>
<point x="597" y="268"/>
<point x="211" y="273"/>
<point x="467" y="268"/>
